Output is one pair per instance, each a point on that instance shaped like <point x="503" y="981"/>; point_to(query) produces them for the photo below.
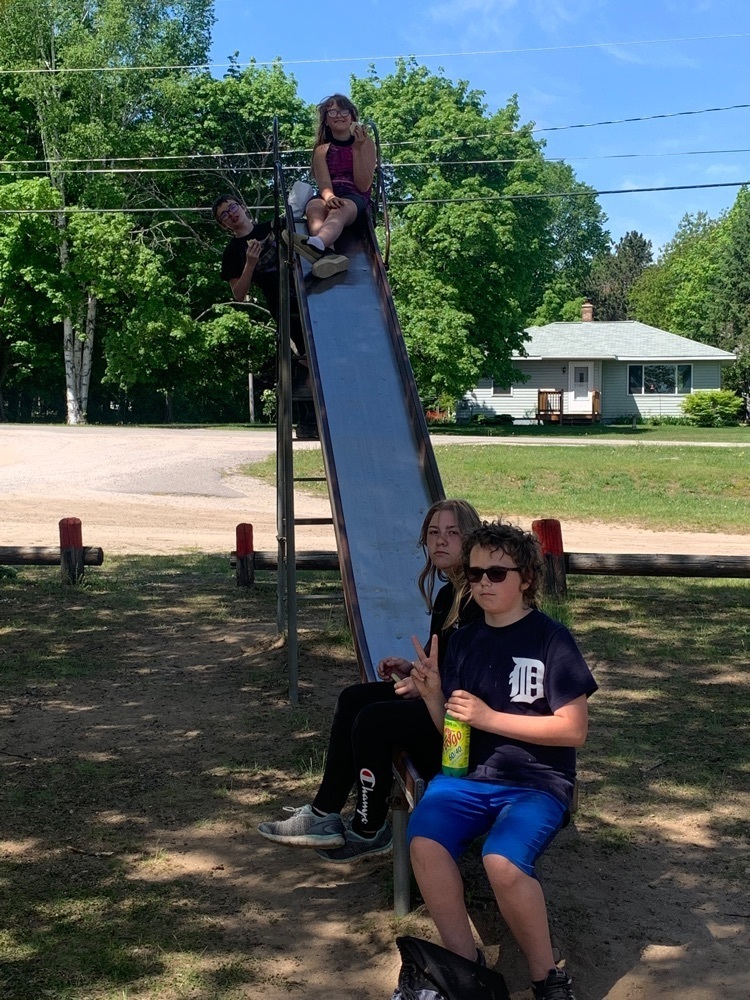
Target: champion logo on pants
<point x="367" y="785"/>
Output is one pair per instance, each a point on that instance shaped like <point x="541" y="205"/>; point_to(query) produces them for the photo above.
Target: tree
<point x="676" y="293"/>
<point x="231" y="118"/>
<point x="612" y="277"/>
<point x="730" y="308"/>
<point x="577" y="240"/>
<point x="28" y="246"/>
<point x="465" y="275"/>
<point x="77" y="112"/>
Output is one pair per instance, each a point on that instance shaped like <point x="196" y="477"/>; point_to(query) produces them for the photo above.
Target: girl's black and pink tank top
<point x="340" y="161"/>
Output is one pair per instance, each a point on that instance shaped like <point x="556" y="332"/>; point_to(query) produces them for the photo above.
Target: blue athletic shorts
<point x="519" y="822"/>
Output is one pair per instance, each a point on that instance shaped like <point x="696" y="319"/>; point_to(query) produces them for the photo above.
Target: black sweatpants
<point x="369" y="723"/>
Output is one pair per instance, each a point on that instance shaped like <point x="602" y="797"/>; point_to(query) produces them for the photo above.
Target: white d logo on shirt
<point x="526" y="680"/>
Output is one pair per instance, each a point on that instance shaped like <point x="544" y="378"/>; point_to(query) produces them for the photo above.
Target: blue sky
<point x="571" y="62"/>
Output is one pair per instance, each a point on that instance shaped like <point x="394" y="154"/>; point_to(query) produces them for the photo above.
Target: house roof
<point x="622" y="341"/>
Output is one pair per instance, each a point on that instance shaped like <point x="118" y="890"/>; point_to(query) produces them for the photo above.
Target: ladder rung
<point x="313" y="520"/>
<point x="309" y="479"/>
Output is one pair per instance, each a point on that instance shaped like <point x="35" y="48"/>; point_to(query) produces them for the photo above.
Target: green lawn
<point x="667" y="487"/>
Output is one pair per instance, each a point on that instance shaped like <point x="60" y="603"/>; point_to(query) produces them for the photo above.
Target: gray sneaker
<point x="357" y="847"/>
<point x="305" y="828"/>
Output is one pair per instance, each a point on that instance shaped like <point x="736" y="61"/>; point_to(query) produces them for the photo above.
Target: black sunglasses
<point x="495" y="574"/>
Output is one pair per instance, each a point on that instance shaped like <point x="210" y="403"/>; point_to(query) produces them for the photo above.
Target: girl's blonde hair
<point x="324" y="133"/>
<point x="467" y="520"/>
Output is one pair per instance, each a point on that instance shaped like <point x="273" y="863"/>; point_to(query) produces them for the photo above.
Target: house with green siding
<point x="589" y="371"/>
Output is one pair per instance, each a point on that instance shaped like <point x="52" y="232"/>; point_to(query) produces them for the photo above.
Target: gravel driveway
<point x="157" y="491"/>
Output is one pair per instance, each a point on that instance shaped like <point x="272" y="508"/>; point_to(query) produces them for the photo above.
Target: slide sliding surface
<point x="381" y="469"/>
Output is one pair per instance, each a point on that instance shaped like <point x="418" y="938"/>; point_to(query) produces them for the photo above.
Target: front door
<point x="580" y="376"/>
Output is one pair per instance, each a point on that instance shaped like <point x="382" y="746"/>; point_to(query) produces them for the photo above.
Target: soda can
<point x="456" y="739"/>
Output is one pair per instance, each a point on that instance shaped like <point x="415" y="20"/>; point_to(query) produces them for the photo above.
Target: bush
<point x="268" y="404"/>
<point x="668" y="420"/>
<point x="492" y="419"/>
<point x="713" y="408"/>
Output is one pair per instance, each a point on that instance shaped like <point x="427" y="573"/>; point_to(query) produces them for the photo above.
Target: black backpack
<point x="429" y="972"/>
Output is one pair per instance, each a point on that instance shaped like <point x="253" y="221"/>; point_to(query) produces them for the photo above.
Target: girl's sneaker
<point x="300" y="244"/>
<point x="330" y="263"/>
<point x="305" y="828"/>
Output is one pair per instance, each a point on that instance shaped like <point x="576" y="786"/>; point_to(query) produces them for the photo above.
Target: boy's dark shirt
<point x="266" y="273"/>
<point x="503" y="666"/>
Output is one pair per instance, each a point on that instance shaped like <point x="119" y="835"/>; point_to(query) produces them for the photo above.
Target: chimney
<point x="587" y="312"/>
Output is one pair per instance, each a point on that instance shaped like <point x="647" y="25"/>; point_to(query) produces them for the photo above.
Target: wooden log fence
<point x="654" y="564"/>
<point x="246" y="560"/>
<point x="72" y="556"/>
<point x="559" y="563"/>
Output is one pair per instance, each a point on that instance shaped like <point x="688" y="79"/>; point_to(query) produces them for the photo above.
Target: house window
<point x="661" y="380"/>
<point x="498" y="389"/>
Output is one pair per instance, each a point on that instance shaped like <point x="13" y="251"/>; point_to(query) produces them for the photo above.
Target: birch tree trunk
<point x="78" y="349"/>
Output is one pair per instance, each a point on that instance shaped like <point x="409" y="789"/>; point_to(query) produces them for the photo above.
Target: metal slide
<point x="380" y="466"/>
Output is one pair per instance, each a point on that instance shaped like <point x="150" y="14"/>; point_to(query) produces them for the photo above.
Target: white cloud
<point x="650" y="55"/>
<point x="730" y="171"/>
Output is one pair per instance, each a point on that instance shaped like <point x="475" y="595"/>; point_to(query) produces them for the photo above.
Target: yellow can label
<point x="455" y="746"/>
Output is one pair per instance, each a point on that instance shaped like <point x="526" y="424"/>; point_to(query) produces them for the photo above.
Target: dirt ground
<point x="665" y="919"/>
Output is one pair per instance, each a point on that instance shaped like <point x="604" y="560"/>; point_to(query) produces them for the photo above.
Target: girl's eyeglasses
<point x="337" y="113"/>
<point x="495" y="574"/>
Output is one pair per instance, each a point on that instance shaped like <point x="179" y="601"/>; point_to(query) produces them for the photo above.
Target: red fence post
<point x="245" y="568"/>
<point x="549" y="533"/>
<point x="71" y="549"/>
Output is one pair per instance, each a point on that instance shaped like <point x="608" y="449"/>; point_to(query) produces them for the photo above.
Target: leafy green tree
<point x="613" y="276"/>
<point x="78" y="112"/>
<point x="28" y="244"/>
<point x="229" y="121"/>
<point x="466" y="274"/>
<point x="700" y="287"/>
<point x="577" y="239"/>
<point x="676" y="293"/>
<point x="730" y="312"/>
<point x="730" y="307"/>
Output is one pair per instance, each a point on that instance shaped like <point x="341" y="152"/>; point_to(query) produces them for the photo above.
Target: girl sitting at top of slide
<point x="343" y="165"/>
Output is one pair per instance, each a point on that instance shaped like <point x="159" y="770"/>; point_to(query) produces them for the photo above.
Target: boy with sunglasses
<point x="519" y="680"/>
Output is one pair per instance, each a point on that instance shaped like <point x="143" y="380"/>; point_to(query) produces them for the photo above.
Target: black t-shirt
<point x="532" y="667"/>
<point x="469" y="612"/>
<point x="266" y="273"/>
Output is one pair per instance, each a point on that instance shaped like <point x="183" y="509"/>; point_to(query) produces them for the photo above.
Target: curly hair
<point x="522" y="547"/>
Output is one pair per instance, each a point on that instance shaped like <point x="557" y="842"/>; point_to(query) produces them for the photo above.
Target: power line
<point x="370" y="59"/>
<point x="569" y="194"/>
<point x="408" y="142"/>
<point x="563" y="128"/>
<point x="426" y="164"/>
<point x="75" y="210"/>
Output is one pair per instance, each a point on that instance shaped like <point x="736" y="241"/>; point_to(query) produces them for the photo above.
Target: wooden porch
<point x="550" y="408"/>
